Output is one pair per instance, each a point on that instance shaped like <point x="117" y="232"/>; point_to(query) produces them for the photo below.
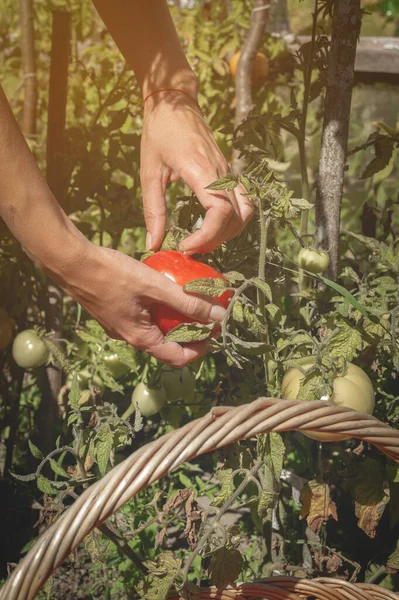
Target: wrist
<point x="183" y="79"/>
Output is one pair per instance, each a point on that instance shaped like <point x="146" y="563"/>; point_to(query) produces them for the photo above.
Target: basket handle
<point x="220" y="427"/>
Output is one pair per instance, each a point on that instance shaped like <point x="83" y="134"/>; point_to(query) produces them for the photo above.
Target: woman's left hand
<point x="177" y="143"/>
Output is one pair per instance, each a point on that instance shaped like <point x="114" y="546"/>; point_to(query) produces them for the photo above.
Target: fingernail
<point x="148" y="240"/>
<point x="217" y="313"/>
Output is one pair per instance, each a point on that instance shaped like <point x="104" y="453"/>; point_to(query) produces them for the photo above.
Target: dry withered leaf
<point x="174" y="501"/>
<point x="193" y="516"/>
<point x="370" y="493"/>
<point x="317" y="505"/>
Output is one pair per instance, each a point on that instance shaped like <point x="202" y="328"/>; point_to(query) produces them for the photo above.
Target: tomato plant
<point x="181" y="269"/>
<point x="149" y="400"/>
<point x="29" y="350"/>
<point x="6" y="328"/>
<point x="353" y="390"/>
<point x="178" y="383"/>
<point x="315" y="261"/>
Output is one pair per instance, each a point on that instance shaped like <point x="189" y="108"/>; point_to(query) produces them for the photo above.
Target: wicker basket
<point x="220" y="427"/>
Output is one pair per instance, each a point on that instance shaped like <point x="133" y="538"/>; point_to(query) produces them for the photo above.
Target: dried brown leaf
<point x="317" y="505"/>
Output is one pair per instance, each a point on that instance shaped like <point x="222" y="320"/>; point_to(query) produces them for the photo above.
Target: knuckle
<point x="193" y="306"/>
<point x="177" y="363"/>
<point x="152" y="213"/>
<point x="226" y="209"/>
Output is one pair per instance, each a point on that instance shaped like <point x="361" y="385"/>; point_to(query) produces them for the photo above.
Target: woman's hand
<point x="118" y="292"/>
<point x="178" y="144"/>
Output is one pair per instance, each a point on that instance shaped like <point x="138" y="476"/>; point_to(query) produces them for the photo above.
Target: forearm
<point x="26" y="202"/>
<point x="145" y="34"/>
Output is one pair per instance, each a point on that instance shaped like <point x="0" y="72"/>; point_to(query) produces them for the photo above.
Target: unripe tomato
<point x="85" y="379"/>
<point x="178" y="383"/>
<point x="81" y="349"/>
<point x="181" y="269"/>
<point x="6" y="328"/>
<point x="114" y="365"/>
<point x="315" y="261"/>
<point x="260" y="68"/>
<point x="29" y="351"/>
<point x="354" y="390"/>
<point x="149" y="400"/>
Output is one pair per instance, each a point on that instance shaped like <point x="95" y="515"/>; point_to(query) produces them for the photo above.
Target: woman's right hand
<point x="118" y="292"/>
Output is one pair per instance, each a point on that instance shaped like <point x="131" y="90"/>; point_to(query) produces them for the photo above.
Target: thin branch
<point x="229" y="502"/>
<point x="112" y="533"/>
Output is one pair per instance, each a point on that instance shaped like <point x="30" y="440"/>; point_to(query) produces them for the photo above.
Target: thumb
<point x="198" y="308"/>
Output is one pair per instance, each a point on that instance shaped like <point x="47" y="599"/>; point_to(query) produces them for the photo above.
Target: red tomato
<point x="181" y="269"/>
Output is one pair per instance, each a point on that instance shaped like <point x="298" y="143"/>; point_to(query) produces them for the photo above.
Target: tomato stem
<point x="264" y="228"/>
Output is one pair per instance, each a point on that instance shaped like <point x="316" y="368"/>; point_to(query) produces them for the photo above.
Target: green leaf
<point x="264" y="288"/>
<point x="74" y="393"/>
<point x="271" y="448"/>
<point x="207" y="286"/>
<point x="170" y="242"/>
<point x="344" y="292"/>
<point x="393" y="561"/>
<point x="392" y="472"/>
<point x="238" y="312"/>
<point x="346" y="344"/>
<point x="234" y="277"/>
<point x="35" y="450"/>
<point x="73" y="417"/>
<point x="266" y="502"/>
<point x="272" y="309"/>
<point x="138" y="420"/>
<point x="29" y="477"/>
<point x="58" y="469"/>
<point x="161" y="574"/>
<point x="227" y="487"/>
<point x="103" y="449"/>
<point x="383" y="149"/>
<point x="189" y="332"/>
<point x="225" y="566"/>
<point x="185" y="481"/>
<point x="301" y="204"/>
<point x="45" y="485"/>
<point x="229" y="182"/>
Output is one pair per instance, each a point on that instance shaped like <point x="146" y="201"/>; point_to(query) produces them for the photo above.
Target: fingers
<point x="154" y="209"/>
<point x="179" y="356"/>
<point x="161" y="290"/>
<point x="226" y="216"/>
<point x="151" y="340"/>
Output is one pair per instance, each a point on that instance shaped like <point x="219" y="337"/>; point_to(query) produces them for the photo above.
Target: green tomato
<point x="315" y="261"/>
<point x="85" y="379"/>
<point x="29" y="350"/>
<point x="149" y="400"/>
<point x="114" y="365"/>
<point x="354" y="390"/>
<point x="81" y="349"/>
<point x="178" y="383"/>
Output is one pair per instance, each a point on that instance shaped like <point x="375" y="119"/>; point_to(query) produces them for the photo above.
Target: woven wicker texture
<point x="220" y="427"/>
